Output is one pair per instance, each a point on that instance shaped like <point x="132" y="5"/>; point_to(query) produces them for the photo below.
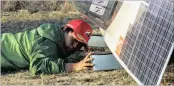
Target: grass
<point x="23" y="19"/>
<point x="115" y="77"/>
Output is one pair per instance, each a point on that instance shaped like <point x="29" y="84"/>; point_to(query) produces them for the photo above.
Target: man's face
<point x="71" y="44"/>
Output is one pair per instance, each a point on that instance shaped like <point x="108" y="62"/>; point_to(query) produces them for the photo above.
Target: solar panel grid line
<point x="149" y="75"/>
<point x="162" y="19"/>
<point x="124" y="55"/>
<point x="128" y="45"/>
<point x="164" y="13"/>
<point x="163" y="6"/>
<point x="127" y="54"/>
<point x="124" y="58"/>
<point x="145" y="64"/>
<point x="153" y="43"/>
<point x="130" y="58"/>
<point x="165" y="65"/>
<point x="149" y="52"/>
<point x="169" y="3"/>
<point x="150" y="39"/>
<point x="126" y="68"/>
<point x="131" y="67"/>
<point x="156" y="2"/>
<point x="152" y="12"/>
<point x="134" y="34"/>
<point x="167" y="45"/>
<point x="137" y="69"/>
<point x="159" y="35"/>
<point x="159" y="24"/>
<point x="136" y="37"/>
<point x="143" y="73"/>
<point x="162" y="28"/>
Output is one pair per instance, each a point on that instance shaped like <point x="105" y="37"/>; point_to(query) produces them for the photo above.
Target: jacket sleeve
<point x="44" y="58"/>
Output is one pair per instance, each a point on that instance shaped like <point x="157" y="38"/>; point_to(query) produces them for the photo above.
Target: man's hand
<point x="85" y="64"/>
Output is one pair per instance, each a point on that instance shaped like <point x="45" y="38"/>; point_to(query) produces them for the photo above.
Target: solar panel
<point x="148" y="44"/>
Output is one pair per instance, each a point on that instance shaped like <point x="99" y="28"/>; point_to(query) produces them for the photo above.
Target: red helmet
<point x="82" y="30"/>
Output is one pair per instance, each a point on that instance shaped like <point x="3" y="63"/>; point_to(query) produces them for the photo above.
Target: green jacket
<point x="39" y="50"/>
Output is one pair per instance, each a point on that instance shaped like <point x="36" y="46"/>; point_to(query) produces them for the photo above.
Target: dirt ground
<point x="22" y="19"/>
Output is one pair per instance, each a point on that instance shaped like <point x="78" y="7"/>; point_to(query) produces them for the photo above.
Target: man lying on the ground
<point x="42" y="50"/>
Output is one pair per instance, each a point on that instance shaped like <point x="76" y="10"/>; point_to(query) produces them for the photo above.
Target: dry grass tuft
<point x="115" y="77"/>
